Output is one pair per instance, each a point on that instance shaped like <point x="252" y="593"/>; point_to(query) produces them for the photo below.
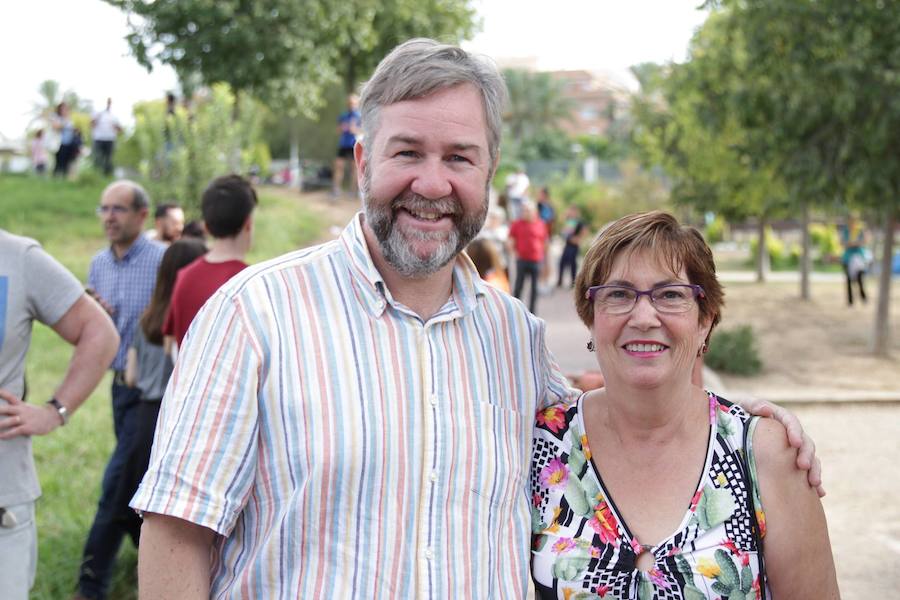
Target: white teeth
<point x="644" y="347"/>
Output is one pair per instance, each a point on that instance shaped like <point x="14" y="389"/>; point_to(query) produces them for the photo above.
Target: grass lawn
<point x="70" y="461"/>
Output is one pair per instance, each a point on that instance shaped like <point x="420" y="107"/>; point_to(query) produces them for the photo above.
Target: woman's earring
<point x="703" y="349"/>
<point x="590" y="346"/>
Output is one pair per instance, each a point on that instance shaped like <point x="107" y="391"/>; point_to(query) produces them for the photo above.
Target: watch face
<point x="62" y="410"/>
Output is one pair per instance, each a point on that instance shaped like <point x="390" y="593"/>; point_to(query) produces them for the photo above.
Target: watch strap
<point x="60" y="409"/>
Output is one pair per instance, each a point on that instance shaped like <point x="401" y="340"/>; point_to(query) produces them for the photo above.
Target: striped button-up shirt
<point x="345" y="448"/>
<point x="126" y="284"/>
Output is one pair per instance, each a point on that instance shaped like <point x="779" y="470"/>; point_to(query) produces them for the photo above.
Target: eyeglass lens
<point x="667" y="298"/>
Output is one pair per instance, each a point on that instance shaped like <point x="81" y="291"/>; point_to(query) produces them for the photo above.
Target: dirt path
<point x="817" y="345"/>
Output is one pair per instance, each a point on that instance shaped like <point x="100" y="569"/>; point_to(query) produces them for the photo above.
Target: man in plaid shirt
<point x="122" y="278"/>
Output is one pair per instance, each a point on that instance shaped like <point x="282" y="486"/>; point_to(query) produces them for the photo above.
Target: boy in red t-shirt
<point x="528" y="237"/>
<point x="227" y="208"/>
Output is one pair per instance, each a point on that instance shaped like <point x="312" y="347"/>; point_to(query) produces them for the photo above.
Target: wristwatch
<point x="62" y="410"/>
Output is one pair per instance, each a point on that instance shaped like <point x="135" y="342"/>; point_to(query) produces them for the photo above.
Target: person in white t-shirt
<point x="517" y="185"/>
<point x="105" y="129"/>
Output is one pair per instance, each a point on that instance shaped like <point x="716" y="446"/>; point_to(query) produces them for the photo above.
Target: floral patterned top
<point x="582" y="550"/>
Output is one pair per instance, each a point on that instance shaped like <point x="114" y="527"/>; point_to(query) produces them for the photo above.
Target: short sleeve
<point x="556" y="385"/>
<point x="204" y="452"/>
<point x="51" y="289"/>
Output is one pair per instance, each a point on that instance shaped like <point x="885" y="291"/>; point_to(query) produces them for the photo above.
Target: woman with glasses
<point x="651" y="487"/>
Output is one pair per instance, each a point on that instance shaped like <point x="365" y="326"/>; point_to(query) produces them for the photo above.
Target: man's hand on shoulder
<point x="797" y="438"/>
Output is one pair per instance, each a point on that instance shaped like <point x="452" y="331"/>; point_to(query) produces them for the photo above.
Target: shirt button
<point x="434" y="475"/>
<point x="429" y="554"/>
<point x="433" y="400"/>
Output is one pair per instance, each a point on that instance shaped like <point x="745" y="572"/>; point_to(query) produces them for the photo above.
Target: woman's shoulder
<point x="771" y="450"/>
<point x="556" y="419"/>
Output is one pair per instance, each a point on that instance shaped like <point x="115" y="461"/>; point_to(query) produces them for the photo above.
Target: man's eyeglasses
<point x="621" y="299"/>
<point x="114" y="209"/>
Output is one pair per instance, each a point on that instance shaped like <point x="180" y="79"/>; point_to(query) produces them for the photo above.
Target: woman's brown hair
<point x="180" y="254"/>
<point x="674" y="245"/>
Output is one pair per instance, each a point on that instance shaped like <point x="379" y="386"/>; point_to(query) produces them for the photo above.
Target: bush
<point x="826" y="240"/>
<point x="734" y="351"/>
<point x="774" y="246"/>
<point x="716" y="230"/>
<point x="181" y="153"/>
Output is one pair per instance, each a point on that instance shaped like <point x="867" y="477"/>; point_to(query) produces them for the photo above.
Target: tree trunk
<point x="805" y="258"/>
<point x="882" y="337"/>
<point x="762" y="252"/>
<point x="234" y="158"/>
<point x="294" y="163"/>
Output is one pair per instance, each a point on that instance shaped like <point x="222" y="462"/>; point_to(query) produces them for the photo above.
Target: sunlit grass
<point x="70" y="461"/>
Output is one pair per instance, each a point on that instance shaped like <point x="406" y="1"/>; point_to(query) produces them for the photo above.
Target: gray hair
<point x="139" y="197"/>
<point x="420" y="67"/>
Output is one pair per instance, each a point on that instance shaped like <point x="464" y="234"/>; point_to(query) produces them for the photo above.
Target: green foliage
<point x="716" y="230"/>
<point x="683" y="124"/>
<point x="601" y="202"/>
<point x="534" y="115"/>
<point x="826" y="240"/>
<point x="774" y="246"/>
<point x="284" y="51"/>
<point x="734" y="351"/>
<point x="181" y="153"/>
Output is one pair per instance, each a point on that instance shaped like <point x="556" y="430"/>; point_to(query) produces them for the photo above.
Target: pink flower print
<point x="636" y="547"/>
<point x="696" y="500"/>
<point x="536" y="499"/>
<point x="595" y="552"/>
<point x="552" y="418"/>
<point x="563" y="545"/>
<point x="602" y="590"/>
<point x="605" y="524"/>
<point x="555" y="474"/>
<point x="658" y="578"/>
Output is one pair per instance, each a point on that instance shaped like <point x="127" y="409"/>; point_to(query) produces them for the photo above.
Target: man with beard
<point x="168" y="223"/>
<point x="354" y="420"/>
<point x="121" y="278"/>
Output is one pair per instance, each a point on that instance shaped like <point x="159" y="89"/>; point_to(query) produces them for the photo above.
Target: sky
<point x="80" y="44"/>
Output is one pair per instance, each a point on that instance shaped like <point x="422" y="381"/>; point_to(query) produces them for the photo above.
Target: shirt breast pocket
<point x="503" y="443"/>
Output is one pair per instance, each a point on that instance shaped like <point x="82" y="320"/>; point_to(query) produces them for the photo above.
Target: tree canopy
<point x="284" y="49"/>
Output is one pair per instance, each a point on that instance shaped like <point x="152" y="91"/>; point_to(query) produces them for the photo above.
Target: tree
<point x="536" y="104"/>
<point x="282" y="51"/>
<point x="821" y="80"/>
<point x="682" y="124"/>
<point x="50" y="94"/>
<point x="181" y="153"/>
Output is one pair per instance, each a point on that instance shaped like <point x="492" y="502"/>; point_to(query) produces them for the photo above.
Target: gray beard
<point x="396" y="246"/>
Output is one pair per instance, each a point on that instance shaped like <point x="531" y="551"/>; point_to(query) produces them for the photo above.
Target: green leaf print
<point x="576" y="462"/>
<point x="537" y="525"/>
<point x="746" y="579"/>
<point x="570" y="567"/>
<point x="578" y="502"/>
<point x="715" y="506"/>
<point x="692" y="592"/>
<point x="729" y="575"/>
<point x="646" y="588"/>
<point x="591" y="489"/>
<point x="720" y="588"/>
<point x="725" y="424"/>
<point x="682" y="565"/>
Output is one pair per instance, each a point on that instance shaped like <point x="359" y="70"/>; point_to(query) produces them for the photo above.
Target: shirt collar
<point x="136" y="248"/>
<point x="468" y="287"/>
